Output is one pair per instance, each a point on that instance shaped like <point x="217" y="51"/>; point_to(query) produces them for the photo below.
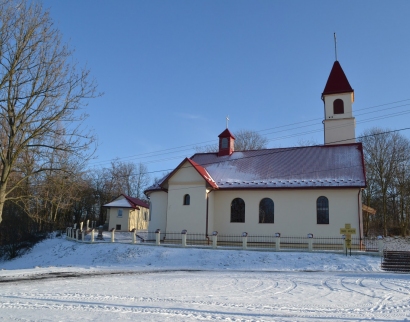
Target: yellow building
<point x="126" y="213"/>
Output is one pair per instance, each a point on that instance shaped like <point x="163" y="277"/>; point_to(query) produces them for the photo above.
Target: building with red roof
<point x="293" y="191"/>
<point x="126" y="213"/>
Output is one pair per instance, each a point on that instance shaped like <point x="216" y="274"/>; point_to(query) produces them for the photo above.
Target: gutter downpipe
<point x="358" y="214"/>
<point x="207" y="207"/>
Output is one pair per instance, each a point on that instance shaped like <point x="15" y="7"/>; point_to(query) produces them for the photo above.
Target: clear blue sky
<point x="172" y="71"/>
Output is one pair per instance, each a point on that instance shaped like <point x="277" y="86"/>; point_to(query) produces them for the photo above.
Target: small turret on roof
<point x="226" y="143"/>
<point x="337" y="81"/>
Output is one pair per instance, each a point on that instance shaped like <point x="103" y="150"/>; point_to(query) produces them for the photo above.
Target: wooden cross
<point x="348" y="231"/>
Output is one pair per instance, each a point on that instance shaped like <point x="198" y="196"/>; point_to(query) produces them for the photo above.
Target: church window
<point x="322" y="210"/>
<point x="338" y="106"/>
<point x="187" y="200"/>
<point x="238" y="210"/>
<point x="224" y="143"/>
<point x="266" y="211"/>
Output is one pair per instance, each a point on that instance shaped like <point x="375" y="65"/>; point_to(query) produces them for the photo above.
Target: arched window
<point x="187" y="200"/>
<point x="266" y="211"/>
<point x="238" y="210"/>
<point x="322" y="210"/>
<point x="338" y="106"/>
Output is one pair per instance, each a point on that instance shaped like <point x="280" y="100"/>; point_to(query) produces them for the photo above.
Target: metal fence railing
<point x="328" y="243"/>
<point x="257" y="241"/>
<point x="294" y="243"/>
<point x="267" y="242"/>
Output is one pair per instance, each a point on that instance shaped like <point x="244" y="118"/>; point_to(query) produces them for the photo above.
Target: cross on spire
<point x="227" y="120"/>
<point x="334" y="35"/>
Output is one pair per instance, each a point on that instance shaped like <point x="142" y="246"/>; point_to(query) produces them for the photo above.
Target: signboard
<point x="347" y="230"/>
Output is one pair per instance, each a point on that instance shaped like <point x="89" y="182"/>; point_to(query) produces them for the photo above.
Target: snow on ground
<point x="61" y="280"/>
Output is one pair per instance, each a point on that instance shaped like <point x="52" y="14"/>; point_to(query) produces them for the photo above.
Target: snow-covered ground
<point x="61" y="280"/>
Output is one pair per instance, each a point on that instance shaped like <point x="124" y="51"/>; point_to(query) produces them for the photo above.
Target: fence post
<point x="112" y="234"/>
<point x="277" y="241"/>
<point x="380" y="244"/>
<point x="66" y="233"/>
<point x="92" y="235"/>
<point x="134" y="236"/>
<point x="83" y="234"/>
<point x="81" y="226"/>
<point x="244" y="240"/>
<point x="88" y="223"/>
<point x="344" y="244"/>
<point x="214" y="239"/>
<point x="183" y="235"/>
<point x="157" y="237"/>
<point x="310" y="242"/>
<point x="70" y="232"/>
<point x="77" y="234"/>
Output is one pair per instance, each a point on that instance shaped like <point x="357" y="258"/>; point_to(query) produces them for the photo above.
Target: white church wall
<point x="211" y="213"/>
<point x="185" y="174"/>
<point x="295" y="212"/>
<point x="340" y="131"/>
<point x="347" y="99"/>
<point x="191" y="217"/>
<point x="158" y="210"/>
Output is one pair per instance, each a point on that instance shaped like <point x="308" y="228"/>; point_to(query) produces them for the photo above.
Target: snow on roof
<point x="315" y="166"/>
<point x="124" y="201"/>
<point x="301" y="167"/>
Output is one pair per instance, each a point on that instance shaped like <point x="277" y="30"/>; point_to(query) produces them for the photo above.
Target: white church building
<point x="293" y="191"/>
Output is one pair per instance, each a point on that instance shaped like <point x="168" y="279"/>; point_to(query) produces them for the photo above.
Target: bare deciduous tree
<point x="249" y="140"/>
<point x="385" y="153"/>
<point x="41" y="94"/>
<point x="129" y="178"/>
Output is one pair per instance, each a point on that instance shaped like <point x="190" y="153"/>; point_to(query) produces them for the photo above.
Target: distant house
<point x="293" y="191"/>
<point x="127" y="213"/>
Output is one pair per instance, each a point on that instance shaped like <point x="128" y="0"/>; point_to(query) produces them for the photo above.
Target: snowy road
<point x="210" y="296"/>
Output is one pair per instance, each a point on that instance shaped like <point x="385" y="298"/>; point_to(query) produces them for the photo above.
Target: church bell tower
<point x="338" y="97"/>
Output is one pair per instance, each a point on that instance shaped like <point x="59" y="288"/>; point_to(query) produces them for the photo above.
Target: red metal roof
<point x="337" y="81"/>
<point x="301" y="167"/>
<point x="324" y="166"/>
<point x="132" y="202"/>
<point x="202" y="172"/>
<point x="135" y="202"/>
<point x="226" y="134"/>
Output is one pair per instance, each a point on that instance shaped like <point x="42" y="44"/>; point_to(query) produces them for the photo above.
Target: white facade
<point x="295" y="212"/>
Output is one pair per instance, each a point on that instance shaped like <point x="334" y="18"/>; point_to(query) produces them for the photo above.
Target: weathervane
<point x="334" y="34"/>
<point x="227" y="120"/>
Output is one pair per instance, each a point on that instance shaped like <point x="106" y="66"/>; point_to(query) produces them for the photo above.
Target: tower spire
<point x="334" y="35"/>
